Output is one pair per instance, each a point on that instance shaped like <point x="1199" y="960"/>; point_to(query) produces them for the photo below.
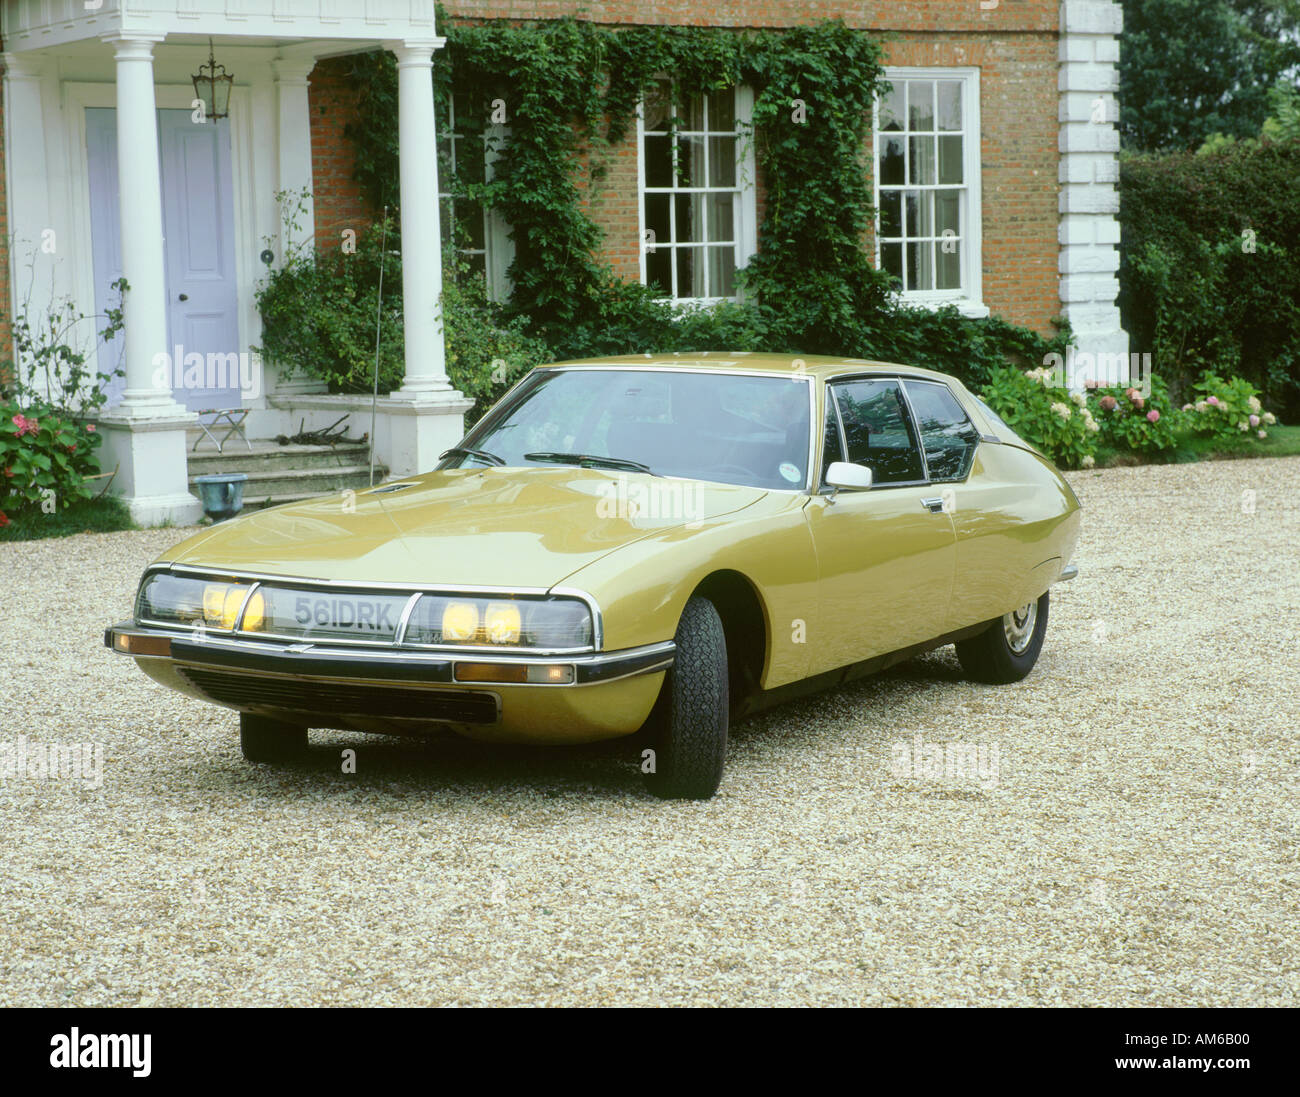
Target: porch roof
<point x="316" y="27"/>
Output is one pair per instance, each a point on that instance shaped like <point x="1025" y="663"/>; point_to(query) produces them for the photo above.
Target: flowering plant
<point x="1228" y="408"/>
<point x="45" y="457"/>
<point x="1130" y="420"/>
<point x="1045" y="415"/>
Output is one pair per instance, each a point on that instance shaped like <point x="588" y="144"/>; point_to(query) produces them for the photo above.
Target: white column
<point x="426" y="368"/>
<point x="148" y="387"/>
<point x="31" y="219"/>
<point x="144" y="436"/>
<point x="293" y="145"/>
<point x="1089" y="198"/>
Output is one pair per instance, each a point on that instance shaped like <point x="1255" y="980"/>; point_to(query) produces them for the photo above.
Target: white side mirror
<point x="843" y="474"/>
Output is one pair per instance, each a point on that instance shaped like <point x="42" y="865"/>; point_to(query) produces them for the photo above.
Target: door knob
<point x="184" y="297"/>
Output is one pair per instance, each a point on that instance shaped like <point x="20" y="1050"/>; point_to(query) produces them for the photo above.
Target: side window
<point x="948" y="435"/>
<point x="878" y="431"/>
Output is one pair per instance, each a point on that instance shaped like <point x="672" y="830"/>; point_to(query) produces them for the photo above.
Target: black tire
<point x="993" y="657"/>
<point x="265" y="740"/>
<point x="688" y="727"/>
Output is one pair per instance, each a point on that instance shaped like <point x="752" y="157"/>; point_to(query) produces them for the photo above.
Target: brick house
<point x="994" y="164"/>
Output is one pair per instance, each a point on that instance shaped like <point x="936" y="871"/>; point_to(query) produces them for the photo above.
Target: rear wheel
<point x="1007" y="650"/>
<point x="265" y="740"/>
<point x="688" y="728"/>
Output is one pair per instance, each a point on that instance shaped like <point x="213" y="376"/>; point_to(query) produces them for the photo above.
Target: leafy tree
<point x="1192" y="68"/>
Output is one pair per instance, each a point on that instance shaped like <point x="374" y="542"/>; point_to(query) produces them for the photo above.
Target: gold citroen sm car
<point x="627" y="545"/>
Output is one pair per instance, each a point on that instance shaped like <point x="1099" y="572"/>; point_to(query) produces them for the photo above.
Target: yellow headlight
<point x="255" y="614"/>
<point x="460" y="621"/>
<point x="214" y="598"/>
<point x="221" y="602"/>
<point x="502" y="623"/>
<point x="230" y="608"/>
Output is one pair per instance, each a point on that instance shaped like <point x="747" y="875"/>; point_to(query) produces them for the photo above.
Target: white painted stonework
<point x="137" y="56"/>
<point x="1089" y="199"/>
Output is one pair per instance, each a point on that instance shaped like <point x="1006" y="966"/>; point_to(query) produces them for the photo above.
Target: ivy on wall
<point x="570" y="90"/>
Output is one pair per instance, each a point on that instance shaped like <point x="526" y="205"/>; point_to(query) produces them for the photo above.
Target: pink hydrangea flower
<point x="1108" y="403"/>
<point x="90" y="427"/>
<point x="1254" y="420"/>
<point x="1213" y="401"/>
<point x="1153" y="416"/>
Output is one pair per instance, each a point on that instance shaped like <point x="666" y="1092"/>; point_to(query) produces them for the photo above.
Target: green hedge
<point x="1210" y="266"/>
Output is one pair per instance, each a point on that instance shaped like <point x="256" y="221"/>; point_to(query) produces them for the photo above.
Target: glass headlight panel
<point x="502" y="621"/>
<point x="183" y="600"/>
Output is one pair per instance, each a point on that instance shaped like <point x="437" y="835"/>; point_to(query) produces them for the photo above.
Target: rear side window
<point x="878" y="432"/>
<point x="947" y="434"/>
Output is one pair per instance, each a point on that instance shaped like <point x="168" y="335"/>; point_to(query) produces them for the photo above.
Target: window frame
<point x="910" y="414"/>
<point x="909" y="419"/>
<point x="498" y="249"/>
<point x="969" y="300"/>
<point x="977" y="435"/>
<point x="746" y="191"/>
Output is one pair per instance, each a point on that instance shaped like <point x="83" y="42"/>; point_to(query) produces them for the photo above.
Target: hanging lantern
<point x="212" y="87"/>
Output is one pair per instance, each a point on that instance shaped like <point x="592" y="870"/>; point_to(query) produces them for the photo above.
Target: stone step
<point x="275" y="485"/>
<point x="269" y="455"/>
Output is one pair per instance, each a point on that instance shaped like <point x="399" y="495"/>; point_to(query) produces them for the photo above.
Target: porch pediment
<point x="34" y="24"/>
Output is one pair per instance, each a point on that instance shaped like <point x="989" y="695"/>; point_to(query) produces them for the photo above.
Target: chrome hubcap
<point x="1019" y="627"/>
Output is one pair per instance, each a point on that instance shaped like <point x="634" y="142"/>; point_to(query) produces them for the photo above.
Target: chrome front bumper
<point x="334" y="661"/>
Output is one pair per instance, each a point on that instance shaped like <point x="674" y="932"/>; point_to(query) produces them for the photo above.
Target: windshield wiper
<point x="586" y="460"/>
<point x="481" y="454"/>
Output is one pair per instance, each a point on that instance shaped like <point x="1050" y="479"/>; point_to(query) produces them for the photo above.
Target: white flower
<point x="1254" y="404"/>
<point x="1092" y="426"/>
<point x="1270" y="418"/>
<point x="1263" y="434"/>
<point x="1089" y="461"/>
<point x="1243" y="425"/>
<point x="1080" y="398"/>
<point x="1063" y="410"/>
<point x="1200" y="405"/>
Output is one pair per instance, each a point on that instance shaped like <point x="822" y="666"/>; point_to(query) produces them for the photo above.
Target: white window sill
<point x="974" y="310"/>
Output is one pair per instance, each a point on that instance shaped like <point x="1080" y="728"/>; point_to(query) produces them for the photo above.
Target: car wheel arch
<point x="746" y="627"/>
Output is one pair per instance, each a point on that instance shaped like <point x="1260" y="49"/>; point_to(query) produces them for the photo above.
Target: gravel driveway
<point x="1128" y="835"/>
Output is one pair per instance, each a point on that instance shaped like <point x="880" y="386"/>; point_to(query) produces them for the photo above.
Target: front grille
<point x="342" y="698"/>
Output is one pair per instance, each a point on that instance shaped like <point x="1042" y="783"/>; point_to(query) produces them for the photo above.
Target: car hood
<point x="502" y="527"/>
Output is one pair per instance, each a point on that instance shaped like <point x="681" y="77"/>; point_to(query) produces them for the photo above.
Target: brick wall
<point x="1014" y="45"/>
<point x="337" y="196"/>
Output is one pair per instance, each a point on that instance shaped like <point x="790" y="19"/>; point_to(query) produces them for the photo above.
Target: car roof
<point x="816" y="365"/>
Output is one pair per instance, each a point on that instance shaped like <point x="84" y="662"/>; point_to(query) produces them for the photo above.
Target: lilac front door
<point x="199" y="249"/>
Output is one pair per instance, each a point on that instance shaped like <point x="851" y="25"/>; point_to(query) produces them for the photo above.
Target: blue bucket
<point x="222" y="494"/>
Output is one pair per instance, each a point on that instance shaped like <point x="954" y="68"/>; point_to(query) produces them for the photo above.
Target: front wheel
<point x="265" y="740"/>
<point x="689" y="723"/>
<point x="1007" y="650"/>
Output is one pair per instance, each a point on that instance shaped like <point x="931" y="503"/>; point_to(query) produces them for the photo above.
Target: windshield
<point x="731" y="428"/>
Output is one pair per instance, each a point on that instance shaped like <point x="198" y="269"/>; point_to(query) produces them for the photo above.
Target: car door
<point x="885" y="555"/>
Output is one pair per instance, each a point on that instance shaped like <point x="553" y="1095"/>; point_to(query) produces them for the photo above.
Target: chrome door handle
<point x="934" y="504"/>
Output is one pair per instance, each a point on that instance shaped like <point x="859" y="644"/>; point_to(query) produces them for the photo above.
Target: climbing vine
<point x="569" y="91"/>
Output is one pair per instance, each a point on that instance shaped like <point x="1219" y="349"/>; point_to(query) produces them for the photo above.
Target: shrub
<point x="1228" y="409"/>
<point x="1059" y="424"/>
<point x="1210" y="265"/>
<point x="45" y="457"/>
<point x="1129" y="420"/>
<point x="320" y="307"/>
<point x="486" y="354"/>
